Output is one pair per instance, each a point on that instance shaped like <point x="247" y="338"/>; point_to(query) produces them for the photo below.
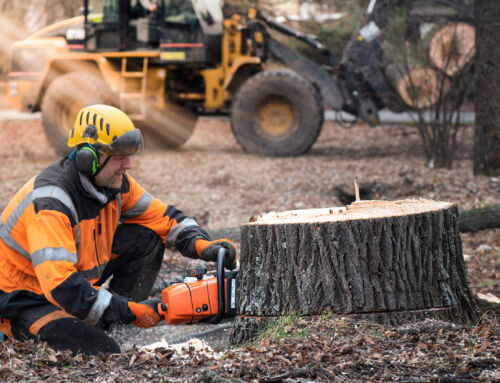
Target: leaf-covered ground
<point x="212" y="179"/>
<point x="322" y="349"/>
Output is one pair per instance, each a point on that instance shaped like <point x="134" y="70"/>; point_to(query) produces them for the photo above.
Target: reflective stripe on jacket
<point x="55" y="239"/>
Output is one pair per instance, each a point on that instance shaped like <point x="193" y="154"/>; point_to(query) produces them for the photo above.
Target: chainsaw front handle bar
<point x="221" y="291"/>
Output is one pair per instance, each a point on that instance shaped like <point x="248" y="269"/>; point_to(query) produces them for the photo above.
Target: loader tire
<point x="64" y="98"/>
<point x="277" y="113"/>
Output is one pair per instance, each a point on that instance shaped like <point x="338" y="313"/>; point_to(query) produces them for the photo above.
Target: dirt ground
<point x="213" y="180"/>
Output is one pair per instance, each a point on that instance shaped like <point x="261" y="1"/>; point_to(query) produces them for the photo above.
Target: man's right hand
<point x="146" y="313"/>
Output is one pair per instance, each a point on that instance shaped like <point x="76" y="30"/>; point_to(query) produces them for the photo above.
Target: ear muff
<point x="87" y="160"/>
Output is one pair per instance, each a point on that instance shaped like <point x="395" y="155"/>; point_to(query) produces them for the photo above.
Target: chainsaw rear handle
<point x="221" y="291"/>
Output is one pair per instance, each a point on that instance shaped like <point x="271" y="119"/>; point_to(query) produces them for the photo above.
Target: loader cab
<point x="184" y="31"/>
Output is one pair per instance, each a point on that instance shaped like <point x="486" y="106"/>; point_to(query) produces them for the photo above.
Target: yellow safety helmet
<point x="107" y="129"/>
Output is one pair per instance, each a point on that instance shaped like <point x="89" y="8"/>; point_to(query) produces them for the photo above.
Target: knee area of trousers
<point x="77" y="336"/>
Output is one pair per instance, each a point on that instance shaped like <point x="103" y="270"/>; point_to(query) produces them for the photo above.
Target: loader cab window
<point x="180" y="24"/>
<point x="109" y="31"/>
<point x="180" y="12"/>
<point x="191" y="31"/>
<point x="110" y="11"/>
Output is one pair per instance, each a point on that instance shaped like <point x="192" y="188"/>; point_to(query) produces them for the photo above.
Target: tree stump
<point x="452" y="47"/>
<point x="390" y="262"/>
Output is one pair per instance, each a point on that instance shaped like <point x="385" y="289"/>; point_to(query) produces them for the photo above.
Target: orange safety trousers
<point x="62" y="331"/>
<point x="5" y="327"/>
<point x="139" y="258"/>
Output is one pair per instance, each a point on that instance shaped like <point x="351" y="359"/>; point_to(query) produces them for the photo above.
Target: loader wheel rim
<point x="276" y="116"/>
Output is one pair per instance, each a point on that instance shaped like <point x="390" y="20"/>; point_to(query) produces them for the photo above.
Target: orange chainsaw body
<point x="192" y="301"/>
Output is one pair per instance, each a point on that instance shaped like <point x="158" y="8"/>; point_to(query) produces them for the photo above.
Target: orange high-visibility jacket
<point x="55" y="240"/>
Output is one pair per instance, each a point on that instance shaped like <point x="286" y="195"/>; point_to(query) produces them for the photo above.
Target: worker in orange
<point x="80" y="222"/>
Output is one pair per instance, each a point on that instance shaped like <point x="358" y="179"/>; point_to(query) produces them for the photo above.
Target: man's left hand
<point x="208" y="251"/>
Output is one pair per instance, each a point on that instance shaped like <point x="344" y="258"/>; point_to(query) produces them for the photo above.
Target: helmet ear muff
<point x="87" y="160"/>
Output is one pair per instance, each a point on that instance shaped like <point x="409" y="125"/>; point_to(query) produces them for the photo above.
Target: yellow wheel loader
<point x="168" y="67"/>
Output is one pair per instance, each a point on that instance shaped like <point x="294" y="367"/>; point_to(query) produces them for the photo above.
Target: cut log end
<point x="420" y="87"/>
<point x="452" y="47"/>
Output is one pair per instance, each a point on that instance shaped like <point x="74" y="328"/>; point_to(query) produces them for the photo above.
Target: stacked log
<point x="452" y="47"/>
<point x="421" y="55"/>
<point x="420" y="87"/>
<point x="389" y="262"/>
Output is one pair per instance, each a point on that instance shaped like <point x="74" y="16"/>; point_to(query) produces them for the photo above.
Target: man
<point x="149" y="5"/>
<point x="79" y="222"/>
<point x="142" y="8"/>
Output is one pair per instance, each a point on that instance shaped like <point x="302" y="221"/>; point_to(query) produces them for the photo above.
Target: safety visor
<point x="127" y="144"/>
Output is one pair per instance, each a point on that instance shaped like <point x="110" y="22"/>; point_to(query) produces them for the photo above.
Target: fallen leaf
<point x="479" y="329"/>
<point x="132" y="360"/>
<point x="146" y="357"/>
<point x="484" y="346"/>
<point x="345" y="349"/>
<point x="52" y="358"/>
<point x="464" y="370"/>
<point x="370" y="340"/>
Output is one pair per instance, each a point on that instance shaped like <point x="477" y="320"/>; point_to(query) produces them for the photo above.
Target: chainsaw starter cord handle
<point x="221" y="306"/>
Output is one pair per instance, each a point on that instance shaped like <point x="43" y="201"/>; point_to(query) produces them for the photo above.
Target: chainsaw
<point x="201" y="297"/>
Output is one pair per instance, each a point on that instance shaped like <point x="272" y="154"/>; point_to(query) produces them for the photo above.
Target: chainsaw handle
<point x="221" y="293"/>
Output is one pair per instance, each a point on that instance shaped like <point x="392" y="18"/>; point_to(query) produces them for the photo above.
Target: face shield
<point x="127" y="144"/>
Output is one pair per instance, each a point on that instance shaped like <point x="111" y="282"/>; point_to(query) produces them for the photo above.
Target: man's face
<point x="111" y="175"/>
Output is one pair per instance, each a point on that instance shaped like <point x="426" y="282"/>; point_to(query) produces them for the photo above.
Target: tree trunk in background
<point x="487" y="134"/>
<point x="389" y="262"/>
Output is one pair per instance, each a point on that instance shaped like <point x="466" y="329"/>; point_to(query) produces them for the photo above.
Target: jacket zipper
<point x="95" y="243"/>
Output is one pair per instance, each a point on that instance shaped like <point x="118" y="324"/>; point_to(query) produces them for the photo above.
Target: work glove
<point x="146" y="313"/>
<point x="117" y="312"/>
<point x="208" y="250"/>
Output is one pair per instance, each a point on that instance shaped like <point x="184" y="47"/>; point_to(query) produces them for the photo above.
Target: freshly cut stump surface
<point x="391" y="262"/>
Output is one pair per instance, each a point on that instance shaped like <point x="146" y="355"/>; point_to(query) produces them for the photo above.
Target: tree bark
<point x="452" y="47"/>
<point x="487" y="95"/>
<point x="390" y="262"/>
